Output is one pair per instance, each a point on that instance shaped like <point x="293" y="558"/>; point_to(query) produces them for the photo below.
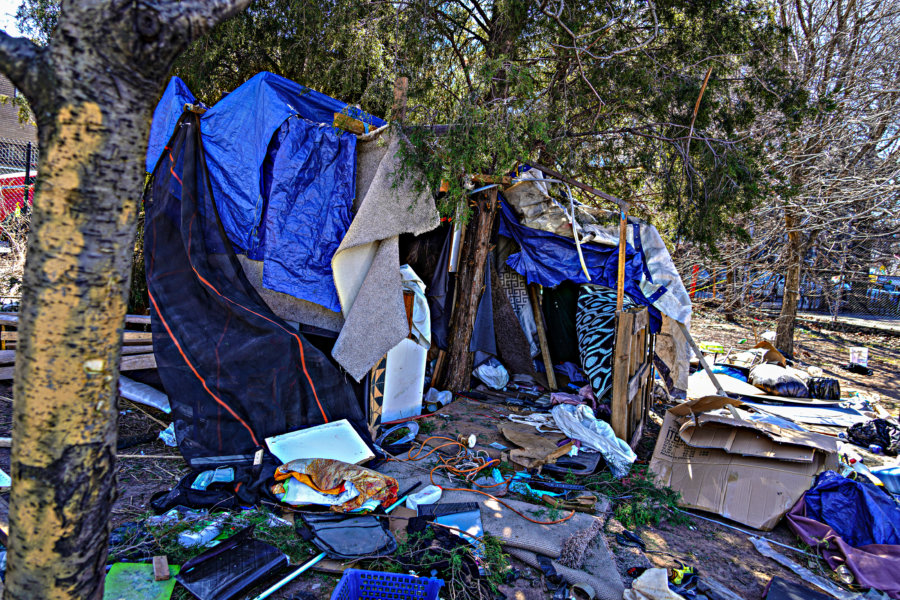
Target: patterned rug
<point x="595" y="324"/>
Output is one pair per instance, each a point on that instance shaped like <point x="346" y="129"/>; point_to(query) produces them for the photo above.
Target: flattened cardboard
<point x="746" y="471"/>
<point x="772" y="354"/>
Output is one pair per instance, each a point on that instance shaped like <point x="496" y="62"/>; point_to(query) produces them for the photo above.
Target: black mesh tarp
<point x="234" y="372"/>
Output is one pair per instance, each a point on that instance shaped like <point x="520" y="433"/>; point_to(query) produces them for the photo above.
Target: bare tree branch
<point x="19" y="61"/>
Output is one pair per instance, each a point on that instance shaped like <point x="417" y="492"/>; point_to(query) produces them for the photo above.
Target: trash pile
<point x="762" y="437"/>
<point x="301" y="330"/>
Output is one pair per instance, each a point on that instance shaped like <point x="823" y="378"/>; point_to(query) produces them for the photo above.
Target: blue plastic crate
<point x="357" y="584"/>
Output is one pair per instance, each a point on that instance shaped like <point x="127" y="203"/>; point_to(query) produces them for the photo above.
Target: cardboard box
<point x="746" y="471"/>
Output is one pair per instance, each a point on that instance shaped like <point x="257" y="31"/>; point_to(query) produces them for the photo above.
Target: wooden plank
<point x="127" y="336"/>
<point x="134" y="362"/>
<point x="7" y="357"/>
<point x="481" y="179"/>
<point x="161" y="568"/>
<point x="636" y="436"/>
<point x="621" y="353"/>
<point x="8" y="318"/>
<point x="620" y="272"/>
<point x="641" y="321"/>
<point x="144" y="349"/>
<point x="636" y="381"/>
<point x="542" y="334"/>
<point x="348" y="123"/>
<point x="137" y="362"/>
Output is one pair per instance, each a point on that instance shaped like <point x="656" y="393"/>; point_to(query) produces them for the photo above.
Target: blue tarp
<point x="165" y="116"/>
<point x="311" y="183"/>
<point x="860" y="513"/>
<point x="308" y="210"/>
<point x="549" y="259"/>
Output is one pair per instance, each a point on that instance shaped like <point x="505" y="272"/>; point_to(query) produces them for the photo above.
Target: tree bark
<point x="93" y="89"/>
<point x="784" y="334"/>
<point x="469" y="288"/>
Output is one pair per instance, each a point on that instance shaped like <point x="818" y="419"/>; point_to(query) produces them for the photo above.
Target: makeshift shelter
<point x="275" y="237"/>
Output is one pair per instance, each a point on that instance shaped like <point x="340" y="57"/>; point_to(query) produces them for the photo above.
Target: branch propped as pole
<point x="582" y="186"/>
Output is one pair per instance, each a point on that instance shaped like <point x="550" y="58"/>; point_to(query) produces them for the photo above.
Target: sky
<point x="8" y="16"/>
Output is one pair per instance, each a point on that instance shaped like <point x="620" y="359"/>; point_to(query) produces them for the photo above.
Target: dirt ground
<point x="721" y="552"/>
<point x="717" y="550"/>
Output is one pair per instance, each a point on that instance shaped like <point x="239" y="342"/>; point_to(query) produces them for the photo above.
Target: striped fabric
<point x="595" y="324"/>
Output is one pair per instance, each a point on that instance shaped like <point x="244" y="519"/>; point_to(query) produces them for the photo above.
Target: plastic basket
<point x="357" y="584"/>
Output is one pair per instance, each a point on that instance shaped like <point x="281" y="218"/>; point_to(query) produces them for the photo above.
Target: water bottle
<point x="189" y="539"/>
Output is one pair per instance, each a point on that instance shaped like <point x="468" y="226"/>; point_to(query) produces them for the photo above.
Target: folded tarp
<point x="855" y="524"/>
<point x="235" y="373"/>
<point x="549" y="259"/>
<point x="660" y="281"/>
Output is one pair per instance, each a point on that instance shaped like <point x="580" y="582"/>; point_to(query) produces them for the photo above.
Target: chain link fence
<point x="18" y="171"/>
<point x="859" y="279"/>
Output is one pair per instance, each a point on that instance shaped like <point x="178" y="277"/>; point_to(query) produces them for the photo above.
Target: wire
<point x="467" y="465"/>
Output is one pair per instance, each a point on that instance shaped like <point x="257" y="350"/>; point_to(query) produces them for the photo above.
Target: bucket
<point x="859" y="356"/>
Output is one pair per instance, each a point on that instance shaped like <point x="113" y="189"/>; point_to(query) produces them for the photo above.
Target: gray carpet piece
<point x="366" y="265"/>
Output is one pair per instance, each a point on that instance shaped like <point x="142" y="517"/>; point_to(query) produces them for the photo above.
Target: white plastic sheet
<point x="579" y="423"/>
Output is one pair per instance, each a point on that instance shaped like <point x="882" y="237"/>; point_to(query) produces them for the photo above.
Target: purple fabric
<point x="565" y="398"/>
<point x="874" y="565"/>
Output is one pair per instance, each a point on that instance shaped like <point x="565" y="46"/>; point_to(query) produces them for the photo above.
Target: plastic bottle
<point x="427" y="495"/>
<point x="218" y="475"/>
<point x="854" y="463"/>
<point x="189" y="539"/>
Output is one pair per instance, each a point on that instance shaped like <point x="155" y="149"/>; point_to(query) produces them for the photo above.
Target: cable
<point x="467" y="465"/>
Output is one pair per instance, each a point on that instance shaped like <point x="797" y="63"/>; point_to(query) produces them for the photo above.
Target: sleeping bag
<point x="778" y="381"/>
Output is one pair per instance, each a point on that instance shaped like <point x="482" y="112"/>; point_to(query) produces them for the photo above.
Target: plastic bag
<point x="434" y="399"/>
<point x="493" y="374"/>
<point x="879" y="432"/>
<point x="777" y="381"/>
<point x="824" y="388"/>
<point x="579" y="423"/>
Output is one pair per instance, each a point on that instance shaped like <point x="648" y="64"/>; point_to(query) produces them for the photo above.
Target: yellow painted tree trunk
<point x="92" y="89"/>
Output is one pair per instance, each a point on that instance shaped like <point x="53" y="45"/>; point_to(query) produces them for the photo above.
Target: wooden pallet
<point x="632" y="374"/>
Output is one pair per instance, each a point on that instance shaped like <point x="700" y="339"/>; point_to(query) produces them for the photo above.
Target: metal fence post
<point x="27" y="177"/>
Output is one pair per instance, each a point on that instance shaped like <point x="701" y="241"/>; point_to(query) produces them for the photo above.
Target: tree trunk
<point x="92" y="89"/>
<point x="469" y="287"/>
<point x="730" y="299"/>
<point x="784" y="335"/>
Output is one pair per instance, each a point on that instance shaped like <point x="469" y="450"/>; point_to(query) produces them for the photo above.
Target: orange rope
<point x="450" y="464"/>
